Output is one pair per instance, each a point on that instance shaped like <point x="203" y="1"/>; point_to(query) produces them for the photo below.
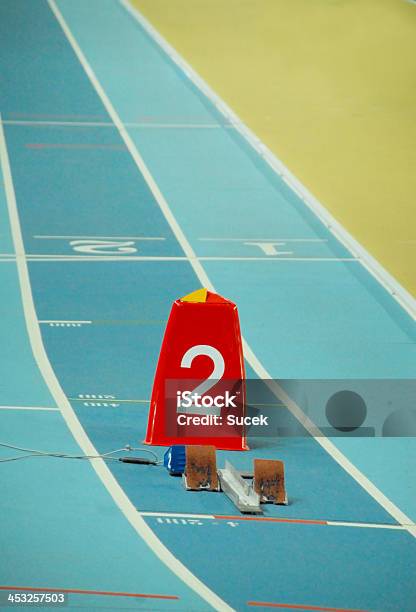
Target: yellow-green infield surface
<point x="329" y="86"/>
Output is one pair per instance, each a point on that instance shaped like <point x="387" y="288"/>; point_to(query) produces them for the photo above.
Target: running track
<point x="105" y="138"/>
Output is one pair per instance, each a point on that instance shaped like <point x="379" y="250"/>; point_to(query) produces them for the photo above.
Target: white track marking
<point x="272" y="520"/>
<point x="42" y="123"/>
<point x="100" y="237"/>
<point x="102" y="470"/>
<point x="369" y="525"/>
<point x="61" y="321"/>
<point x="44" y="408"/>
<point x="77" y="258"/>
<point x="205" y="281"/>
<point x="407" y="301"/>
<point x="277" y="257"/>
<point x="177" y="515"/>
<point x="94" y="398"/>
<point x="65" y="323"/>
<point x="265" y="239"/>
<point x="144" y="125"/>
<point x="127" y="257"/>
<point x="181" y="126"/>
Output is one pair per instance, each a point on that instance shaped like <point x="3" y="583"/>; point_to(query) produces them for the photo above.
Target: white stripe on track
<point x="177" y="515"/>
<point x="143" y="125"/>
<point x="332" y="450"/>
<point x="77" y="258"/>
<point x="276" y="258"/>
<point x="265" y="239"/>
<point x="62" y="321"/>
<point x="272" y="520"/>
<point x="369" y="525"/>
<point x="43" y="123"/>
<point x="41" y="408"/>
<point x="100" y="237"/>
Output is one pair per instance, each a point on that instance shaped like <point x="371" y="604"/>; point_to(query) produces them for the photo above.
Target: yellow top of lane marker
<point x="328" y="86"/>
<point x="200" y="295"/>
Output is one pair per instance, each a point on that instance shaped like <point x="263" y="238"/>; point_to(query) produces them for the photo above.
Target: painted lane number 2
<point x="207" y="384"/>
<point x="104" y="247"/>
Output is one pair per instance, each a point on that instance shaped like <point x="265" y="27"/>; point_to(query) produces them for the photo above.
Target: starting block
<point x="174" y="460"/>
<point x="200" y="474"/>
<point x="201" y="469"/>
<point x="269" y="481"/>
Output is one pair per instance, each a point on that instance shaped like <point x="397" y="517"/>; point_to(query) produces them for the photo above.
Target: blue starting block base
<point x="174" y="460"/>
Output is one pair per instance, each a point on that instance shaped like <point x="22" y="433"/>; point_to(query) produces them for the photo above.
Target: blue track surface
<point x="315" y="313"/>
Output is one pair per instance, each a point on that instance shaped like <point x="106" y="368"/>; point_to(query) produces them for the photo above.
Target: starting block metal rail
<point x="238" y="490"/>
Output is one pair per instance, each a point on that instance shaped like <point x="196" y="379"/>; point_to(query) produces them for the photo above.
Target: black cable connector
<point x="138" y="460"/>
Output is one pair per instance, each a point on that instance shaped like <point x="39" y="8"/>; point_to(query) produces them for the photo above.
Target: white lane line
<point x="128" y="257"/>
<point x="143" y="125"/>
<point x="272" y="520"/>
<point x="61" y="321"/>
<point x="205" y="281"/>
<point x="42" y="123"/>
<point x="181" y="126"/>
<point x="265" y="239"/>
<point x="42" y="408"/>
<point x="406" y="300"/>
<point x="65" y="323"/>
<point x="100" y="237"/>
<point x="178" y="515"/>
<point x="97" y="256"/>
<point x="369" y="525"/>
<point x="102" y="470"/>
<point x="277" y="258"/>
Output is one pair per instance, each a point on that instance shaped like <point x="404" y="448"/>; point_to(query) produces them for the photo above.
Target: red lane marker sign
<point x="198" y="393"/>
